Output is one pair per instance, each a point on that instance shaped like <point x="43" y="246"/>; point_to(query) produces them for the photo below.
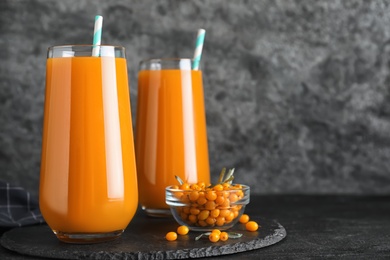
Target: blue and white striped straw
<point x="97" y="35"/>
<point x="198" y="49"/>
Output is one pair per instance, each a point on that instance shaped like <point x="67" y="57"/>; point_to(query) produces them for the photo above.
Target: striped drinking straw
<point x="198" y="49"/>
<point x="97" y="35"/>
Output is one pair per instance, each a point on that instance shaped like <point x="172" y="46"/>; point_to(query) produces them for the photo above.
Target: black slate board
<point x="143" y="239"/>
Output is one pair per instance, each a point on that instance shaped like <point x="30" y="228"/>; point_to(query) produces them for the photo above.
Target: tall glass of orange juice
<point x="88" y="183"/>
<point x="171" y="137"/>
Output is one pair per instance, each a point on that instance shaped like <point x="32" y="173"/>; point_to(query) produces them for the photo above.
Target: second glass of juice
<point x="171" y="136"/>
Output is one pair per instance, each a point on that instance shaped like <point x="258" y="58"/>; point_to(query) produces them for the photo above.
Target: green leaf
<point x="234" y="235"/>
<point x="179" y="180"/>
<point x="203" y="234"/>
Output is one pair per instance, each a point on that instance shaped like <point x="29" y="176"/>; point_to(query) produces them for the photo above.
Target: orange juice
<point x="88" y="181"/>
<point x="171" y="136"/>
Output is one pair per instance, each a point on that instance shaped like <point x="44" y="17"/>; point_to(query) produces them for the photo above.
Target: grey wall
<point x="297" y="92"/>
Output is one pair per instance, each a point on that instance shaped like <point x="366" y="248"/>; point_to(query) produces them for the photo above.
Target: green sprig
<point x="233" y="235"/>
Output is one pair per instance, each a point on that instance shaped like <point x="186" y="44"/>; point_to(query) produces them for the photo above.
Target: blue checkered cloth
<point x="17" y="207"/>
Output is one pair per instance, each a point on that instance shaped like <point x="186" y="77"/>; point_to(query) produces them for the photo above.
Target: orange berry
<point x="202" y="223"/>
<point x="210" y="205"/>
<point x="237" y="186"/>
<point x="194" y="195"/>
<point x="203" y="215"/>
<point x="186" y="210"/>
<point x="185" y="186"/>
<point x="216" y="231"/>
<point x="214" y="213"/>
<point x="224" y="236"/>
<point x="230" y="217"/>
<point x="214" y="237"/>
<point x="171" y="236"/>
<point x="233" y="197"/>
<point x="226" y="186"/>
<point x="218" y="187"/>
<point x="202" y="185"/>
<point x="220" y="221"/>
<point x="211" y="221"/>
<point x="211" y="195"/>
<point x="202" y="200"/>
<point x="183" y="230"/>
<point x="244" y="219"/>
<point x="194" y="211"/>
<point x="195" y="187"/>
<point x="220" y="200"/>
<point x="224" y="212"/>
<point x="226" y="203"/>
<point x="251" y="226"/>
<point x="193" y="218"/>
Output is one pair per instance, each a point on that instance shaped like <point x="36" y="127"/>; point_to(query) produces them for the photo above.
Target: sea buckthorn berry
<point x="178" y="195"/>
<point x="220" y="221"/>
<point x="237" y="186"/>
<point x="233" y="197"/>
<point x="230" y="217"/>
<point x="186" y="210"/>
<point x="240" y="194"/>
<point x="194" y="211"/>
<point x="251" y="226"/>
<point x="192" y="219"/>
<point x="244" y="219"/>
<point x="203" y="215"/>
<point x="194" y="195"/>
<point x="216" y="231"/>
<point x="214" y="237"/>
<point x="225" y="193"/>
<point x="185" y="186"/>
<point x="171" y="236"/>
<point x="218" y="187"/>
<point x="211" y="195"/>
<point x="226" y="186"/>
<point x="220" y="200"/>
<point x="202" y="200"/>
<point x="210" y="205"/>
<point x="224" y="212"/>
<point x="202" y="185"/>
<point x="226" y="203"/>
<point x="195" y="187"/>
<point x="211" y="221"/>
<point x="224" y="236"/>
<point x="202" y="223"/>
<point x="184" y="198"/>
<point x="183" y="230"/>
<point x="214" y="213"/>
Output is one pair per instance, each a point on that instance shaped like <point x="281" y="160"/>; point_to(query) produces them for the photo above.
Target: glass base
<point x="160" y="213"/>
<point x="87" y="238"/>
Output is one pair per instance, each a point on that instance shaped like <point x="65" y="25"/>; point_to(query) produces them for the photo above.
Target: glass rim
<point x="166" y="64"/>
<point x="86" y="50"/>
<point x="165" y="59"/>
<point x="83" y="45"/>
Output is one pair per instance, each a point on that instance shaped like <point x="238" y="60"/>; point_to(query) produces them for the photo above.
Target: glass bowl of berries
<point x="203" y="207"/>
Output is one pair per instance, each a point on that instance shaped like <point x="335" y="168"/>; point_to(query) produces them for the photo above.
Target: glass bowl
<point x="204" y="210"/>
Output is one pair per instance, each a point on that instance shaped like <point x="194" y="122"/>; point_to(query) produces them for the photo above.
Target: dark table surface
<point x="321" y="226"/>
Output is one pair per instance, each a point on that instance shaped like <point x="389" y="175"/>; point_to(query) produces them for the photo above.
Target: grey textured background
<point x="297" y="92"/>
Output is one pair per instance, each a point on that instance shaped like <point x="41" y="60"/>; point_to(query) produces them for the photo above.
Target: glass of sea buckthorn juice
<point x="171" y="136"/>
<point x="88" y="183"/>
